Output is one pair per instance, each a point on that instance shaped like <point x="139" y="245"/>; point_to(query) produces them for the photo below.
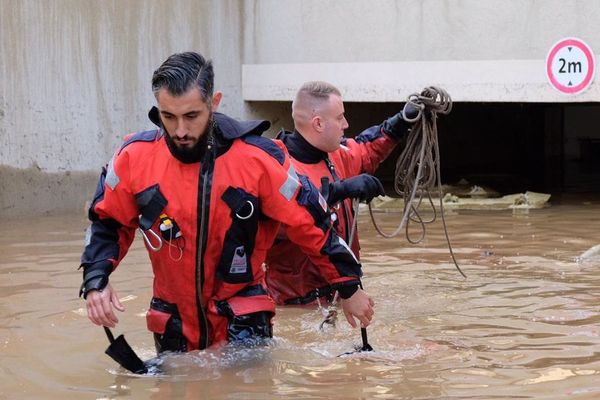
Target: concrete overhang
<point x="465" y="81"/>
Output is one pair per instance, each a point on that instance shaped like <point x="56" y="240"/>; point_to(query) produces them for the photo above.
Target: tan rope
<point x="418" y="166"/>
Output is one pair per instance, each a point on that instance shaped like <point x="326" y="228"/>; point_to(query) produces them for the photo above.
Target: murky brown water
<point x="523" y="325"/>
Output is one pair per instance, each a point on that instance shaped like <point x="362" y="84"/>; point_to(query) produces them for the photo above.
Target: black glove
<point x="411" y="111"/>
<point x="363" y="187"/>
<point x="397" y="126"/>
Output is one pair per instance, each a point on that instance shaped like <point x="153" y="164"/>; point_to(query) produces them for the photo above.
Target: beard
<point x="195" y="153"/>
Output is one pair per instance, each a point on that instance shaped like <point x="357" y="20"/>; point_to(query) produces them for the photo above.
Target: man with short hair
<point x="340" y="166"/>
<point x="208" y="194"/>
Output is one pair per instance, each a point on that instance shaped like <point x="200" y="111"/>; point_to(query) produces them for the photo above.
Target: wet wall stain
<point x="31" y="191"/>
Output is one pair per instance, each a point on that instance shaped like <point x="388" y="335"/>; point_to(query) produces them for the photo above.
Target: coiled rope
<point x="418" y="166"/>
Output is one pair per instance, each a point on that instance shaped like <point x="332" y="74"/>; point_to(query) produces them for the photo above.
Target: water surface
<point x="524" y="324"/>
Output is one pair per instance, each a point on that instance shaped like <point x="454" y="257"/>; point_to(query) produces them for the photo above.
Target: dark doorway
<point x="510" y="147"/>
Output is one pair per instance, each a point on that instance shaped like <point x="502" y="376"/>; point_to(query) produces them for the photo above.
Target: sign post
<point x="570" y="66"/>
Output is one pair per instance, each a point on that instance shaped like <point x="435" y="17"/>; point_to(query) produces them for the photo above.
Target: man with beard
<point x="320" y="151"/>
<point x="208" y="194"/>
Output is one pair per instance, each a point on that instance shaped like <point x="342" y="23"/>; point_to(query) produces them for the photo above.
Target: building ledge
<point x="465" y="81"/>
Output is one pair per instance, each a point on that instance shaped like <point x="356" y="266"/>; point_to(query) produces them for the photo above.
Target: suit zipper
<point x="202" y="319"/>
<point x="331" y="168"/>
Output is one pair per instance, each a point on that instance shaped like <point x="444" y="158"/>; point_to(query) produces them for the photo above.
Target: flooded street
<point x="524" y="324"/>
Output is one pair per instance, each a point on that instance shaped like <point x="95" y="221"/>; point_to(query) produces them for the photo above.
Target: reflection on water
<point x="524" y="324"/>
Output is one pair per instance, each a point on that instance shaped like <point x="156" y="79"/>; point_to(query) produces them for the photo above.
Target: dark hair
<point x="181" y="71"/>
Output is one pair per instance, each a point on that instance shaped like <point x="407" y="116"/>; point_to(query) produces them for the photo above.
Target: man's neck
<point x="301" y="150"/>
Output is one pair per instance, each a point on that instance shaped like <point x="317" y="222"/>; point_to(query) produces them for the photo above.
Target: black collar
<point x="300" y="149"/>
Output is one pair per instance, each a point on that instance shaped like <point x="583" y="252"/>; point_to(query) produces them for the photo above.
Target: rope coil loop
<point x="418" y="166"/>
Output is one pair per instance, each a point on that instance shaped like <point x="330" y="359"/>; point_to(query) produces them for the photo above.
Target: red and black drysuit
<point x="292" y="278"/>
<point x="227" y="209"/>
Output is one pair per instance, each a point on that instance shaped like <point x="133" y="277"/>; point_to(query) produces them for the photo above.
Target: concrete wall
<point x="479" y="50"/>
<point x="75" y="77"/>
<point x="316" y="31"/>
<point x="75" y="74"/>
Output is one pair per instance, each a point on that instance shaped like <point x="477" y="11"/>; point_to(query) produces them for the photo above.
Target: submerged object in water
<point x="590" y="254"/>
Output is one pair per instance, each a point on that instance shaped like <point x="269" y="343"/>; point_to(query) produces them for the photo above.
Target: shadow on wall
<point x="32" y="192"/>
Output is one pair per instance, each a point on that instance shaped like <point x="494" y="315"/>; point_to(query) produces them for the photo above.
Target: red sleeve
<point x="293" y="200"/>
<point x="364" y="153"/>
<point x="113" y="214"/>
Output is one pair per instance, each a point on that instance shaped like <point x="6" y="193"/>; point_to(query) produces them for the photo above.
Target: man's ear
<point x="317" y="123"/>
<point x="216" y="100"/>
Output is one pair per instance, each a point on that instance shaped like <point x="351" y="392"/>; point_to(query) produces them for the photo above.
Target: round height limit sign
<point x="570" y="66"/>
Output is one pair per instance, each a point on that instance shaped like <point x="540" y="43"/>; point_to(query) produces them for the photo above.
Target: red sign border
<point x="580" y="44"/>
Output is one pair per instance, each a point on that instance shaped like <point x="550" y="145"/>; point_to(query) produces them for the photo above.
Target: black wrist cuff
<point x="95" y="277"/>
<point x="347" y="290"/>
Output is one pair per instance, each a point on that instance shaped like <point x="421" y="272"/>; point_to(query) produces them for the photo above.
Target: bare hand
<point x="100" y="306"/>
<point x="360" y="306"/>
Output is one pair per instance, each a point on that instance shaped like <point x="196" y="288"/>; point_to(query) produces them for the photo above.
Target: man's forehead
<point x="191" y="99"/>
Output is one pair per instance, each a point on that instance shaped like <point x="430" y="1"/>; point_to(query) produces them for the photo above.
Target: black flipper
<point x="120" y="351"/>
